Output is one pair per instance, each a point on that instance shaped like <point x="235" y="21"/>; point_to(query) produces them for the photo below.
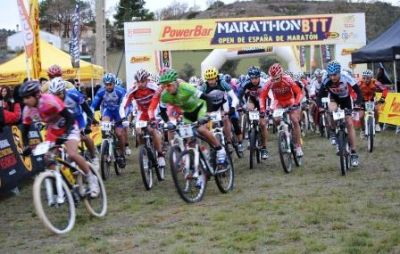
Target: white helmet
<point x="57" y="85"/>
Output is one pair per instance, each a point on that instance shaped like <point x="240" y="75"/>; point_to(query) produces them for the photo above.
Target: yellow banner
<point x="244" y="32"/>
<point x="390" y="112"/>
<point x="36" y="60"/>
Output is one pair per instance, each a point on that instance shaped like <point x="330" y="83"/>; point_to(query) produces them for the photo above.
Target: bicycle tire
<point x="173" y="154"/>
<point x="370" y="137"/>
<point x="37" y="201"/>
<point x="253" y="152"/>
<point x="341" y="139"/>
<point x="304" y="123"/>
<point x="146" y="172"/>
<point x="180" y="172"/>
<point x="105" y="164"/>
<point x="117" y="169"/>
<point x="102" y="199"/>
<point x="284" y="155"/>
<point x="225" y="180"/>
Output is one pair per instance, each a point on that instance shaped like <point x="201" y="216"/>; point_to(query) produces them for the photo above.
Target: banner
<point x="390" y="112"/>
<point x="26" y="28"/>
<point x="36" y="60"/>
<point x="74" y="49"/>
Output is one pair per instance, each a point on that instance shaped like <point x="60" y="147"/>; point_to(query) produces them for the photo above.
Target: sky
<point x="10" y="17"/>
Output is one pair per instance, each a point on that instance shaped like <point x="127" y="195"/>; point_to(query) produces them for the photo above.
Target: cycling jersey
<point x="172" y="111"/>
<point x="313" y="88"/>
<point x="217" y="95"/>
<point x="142" y="97"/>
<point x="368" y="90"/>
<point x="253" y="90"/>
<point x="73" y="101"/>
<point x="285" y="92"/>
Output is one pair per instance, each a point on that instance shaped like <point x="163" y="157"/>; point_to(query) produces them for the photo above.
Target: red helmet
<point x="54" y="71"/>
<point x="275" y="70"/>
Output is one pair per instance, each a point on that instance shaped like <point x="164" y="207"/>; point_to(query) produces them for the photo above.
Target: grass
<point x="312" y="210"/>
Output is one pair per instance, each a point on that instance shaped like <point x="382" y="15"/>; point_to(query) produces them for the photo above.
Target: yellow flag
<point x="34" y="17"/>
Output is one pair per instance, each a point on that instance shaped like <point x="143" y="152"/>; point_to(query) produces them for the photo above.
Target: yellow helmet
<point x="211" y="73"/>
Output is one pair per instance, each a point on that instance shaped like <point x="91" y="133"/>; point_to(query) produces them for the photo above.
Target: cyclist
<point x="55" y="71"/>
<point x="61" y="126"/>
<point x="216" y="89"/>
<point x="76" y="104"/>
<point x="110" y="97"/>
<point x="286" y="94"/>
<point x="192" y="102"/>
<point x="338" y="86"/>
<point x="313" y="88"/>
<point x="369" y="86"/>
<point x="142" y="93"/>
<point x="252" y="87"/>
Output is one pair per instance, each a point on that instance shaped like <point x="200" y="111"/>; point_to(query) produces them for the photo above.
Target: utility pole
<point x="101" y="41"/>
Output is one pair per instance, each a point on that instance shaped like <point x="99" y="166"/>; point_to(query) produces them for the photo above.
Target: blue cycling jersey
<point x="109" y="100"/>
<point x="73" y="101"/>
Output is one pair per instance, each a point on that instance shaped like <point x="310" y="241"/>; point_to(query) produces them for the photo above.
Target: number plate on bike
<point x="278" y="112"/>
<point x="325" y="100"/>
<point x="337" y="115"/>
<point x="254" y="115"/>
<point x="370" y="106"/>
<point x="186" y="131"/>
<point x="215" y="116"/>
<point x="141" y="124"/>
<point x="106" y="126"/>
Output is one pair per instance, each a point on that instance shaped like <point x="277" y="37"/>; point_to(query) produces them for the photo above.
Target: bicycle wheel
<point x="58" y="218"/>
<point x="225" y="175"/>
<point x="253" y="148"/>
<point x="146" y="167"/>
<point x="284" y="153"/>
<point x="370" y="134"/>
<point x="105" y="160"/>
<point x="342" y="142"/>
<point x="190" y="185"/>
<point x="97" y="206"/>
<point x="174" y="152"/>
<point x="117" y="153"/>
<point x="304" y="123"/>
<point x="235" y="145"/>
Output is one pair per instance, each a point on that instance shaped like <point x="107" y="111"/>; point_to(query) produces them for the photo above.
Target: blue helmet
<point x="227" y="78"/>
<point x="254" y="72"/>
<point x="333" y="68"/>
<point x="242" y="79"/>
<point x="109" y="78"/>
<point x="119" y="82"/>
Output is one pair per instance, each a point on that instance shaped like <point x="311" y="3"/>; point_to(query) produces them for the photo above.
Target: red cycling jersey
<point x="368" y="90"/>
<point x="143" y="98"/>
<point x="286" y="93"/>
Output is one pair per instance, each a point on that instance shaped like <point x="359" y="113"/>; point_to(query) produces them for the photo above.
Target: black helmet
<point x="30" y="87"/>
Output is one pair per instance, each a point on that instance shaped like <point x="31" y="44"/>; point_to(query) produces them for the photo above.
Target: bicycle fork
<point x="59" y="189"/>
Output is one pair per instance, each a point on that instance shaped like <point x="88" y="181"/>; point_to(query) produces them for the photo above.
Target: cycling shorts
<point x="195" y="115"/>
<point x="113" y="115"/>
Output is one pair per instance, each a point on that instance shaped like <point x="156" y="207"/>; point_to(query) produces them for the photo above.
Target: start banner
<point x="390" y="112"/>
<point x="193" y="34"/>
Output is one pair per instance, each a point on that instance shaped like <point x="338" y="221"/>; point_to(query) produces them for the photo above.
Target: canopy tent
<point x="385" y="48"/>
<point x="13" y="72"/>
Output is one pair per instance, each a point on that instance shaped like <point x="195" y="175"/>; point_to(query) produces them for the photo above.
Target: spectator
<point x="10" y="110"/>
<point x="382" y="77"/>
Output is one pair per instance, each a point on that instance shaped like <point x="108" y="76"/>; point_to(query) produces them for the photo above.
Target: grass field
<point x="312" y="210"/>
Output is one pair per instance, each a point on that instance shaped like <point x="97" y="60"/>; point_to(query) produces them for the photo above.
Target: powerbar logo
<point x="174" y="34"/>
<point x="139" y="59"/>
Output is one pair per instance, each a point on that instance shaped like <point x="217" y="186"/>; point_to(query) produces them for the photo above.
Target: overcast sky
<point x="10" y="17"/>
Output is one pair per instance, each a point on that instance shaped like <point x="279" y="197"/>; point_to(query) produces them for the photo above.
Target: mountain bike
<point x="148" y="157"/>
<point x="285" y="139"/>
<point x="196" y="164"/>
<point x="60" y="187"/>
<point x="324" y="119"/>
<point x="369" y="124"/>
<point x="307" y="121"/>
<point x="254" y="135"/>
<point x="109" y="150"/>
<point x="342" y="139"/>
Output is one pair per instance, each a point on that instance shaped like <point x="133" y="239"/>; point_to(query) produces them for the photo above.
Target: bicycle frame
<point x="285" y="125"/>
<point x="108" y="134"/>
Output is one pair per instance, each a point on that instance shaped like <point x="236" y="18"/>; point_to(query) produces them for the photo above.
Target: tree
<point x="187" y="71"/>
<point x="56" y="15"/>
<point x="175" y="11"/>
<point x="127" y="10"/>
<point x="229" y="67"/>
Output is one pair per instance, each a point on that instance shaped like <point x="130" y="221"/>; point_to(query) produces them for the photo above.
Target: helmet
<point x="170" y="76"/>
<point x="318" y="73"/>
<point x="367" y="73"/>
<point x="30" y="87"/>
<point x="333" y="67"/>
<point x="254" y="72"/>
<point x="118" y="82"/>
<point x="211" y="73"/>
<point x="290" y="73"/>
<point x="141" y="75"/>
<point x="228" y="78"/>
<point x="109" y="78"/>
<point x="194" y="80"/>
<point x="54" y="71"/>
<point x="264" y="75"/>
<point x="155" y="78"/>
<point x="275" y="70"/>
<point x="57" y="85"/>
<point x="164" y="70"/>
<point x="242" y="79"/>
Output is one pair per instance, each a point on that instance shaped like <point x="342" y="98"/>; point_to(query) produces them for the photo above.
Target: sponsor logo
<point x="394" y="109"/>
<point x="138" y="31"/>
<point x="139" y="59"/>
<point x="169" y="33"/>
<point x="332" y="35"/>
<point x="348" y="51"/>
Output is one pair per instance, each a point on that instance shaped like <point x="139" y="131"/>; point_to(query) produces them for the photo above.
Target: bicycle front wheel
<point x="342" y="143"/>
<point x="146" y="167"/>
<point x="370" y="134"/>
<point x="57" y="216"/>
<point x="105" y="160"/>
<point x="225" y="175"/>
<point x="190" y="184"/>
<point x="253" y="147"/>
<point x="284" y="152"/>
<point x="97" y="206"/>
